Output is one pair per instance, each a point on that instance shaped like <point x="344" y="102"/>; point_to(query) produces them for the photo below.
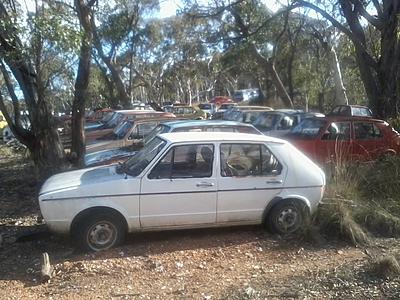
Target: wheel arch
<point x="82" y="215"/>
<point x="281" y="199"/>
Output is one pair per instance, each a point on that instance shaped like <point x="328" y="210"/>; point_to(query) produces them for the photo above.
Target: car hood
<point x="81" y="183"/>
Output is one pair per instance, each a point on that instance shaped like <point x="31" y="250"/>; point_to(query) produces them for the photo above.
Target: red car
<point x="345" y="138"/>
<point x="219" y="100"/>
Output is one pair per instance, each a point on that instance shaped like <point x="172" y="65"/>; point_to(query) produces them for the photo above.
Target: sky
<point x="168" y="8"/>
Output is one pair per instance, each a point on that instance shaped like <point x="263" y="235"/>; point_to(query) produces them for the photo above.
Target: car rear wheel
<point x="287" y="217"/>
<point x="100" y="232"/>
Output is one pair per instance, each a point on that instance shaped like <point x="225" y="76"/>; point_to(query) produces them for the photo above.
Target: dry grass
<point x="361" y="200"/>
<point x="385" y="267"/>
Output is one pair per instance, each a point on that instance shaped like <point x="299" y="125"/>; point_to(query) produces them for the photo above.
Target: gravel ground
<point x="231" y="263"/>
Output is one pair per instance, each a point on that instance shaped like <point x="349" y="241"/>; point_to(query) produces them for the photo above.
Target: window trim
<point x="260" y="174"/>
<point x="173" y="147"/>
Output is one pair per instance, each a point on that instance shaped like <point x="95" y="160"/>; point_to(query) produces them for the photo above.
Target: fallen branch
<point x="46" y="267"/>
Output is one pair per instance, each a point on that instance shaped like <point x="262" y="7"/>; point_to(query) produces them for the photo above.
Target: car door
<point x="334" y="143"/>
<point x="250" y="176"/>
<point x="368" y="141"/>
<point x="181" y="188"/>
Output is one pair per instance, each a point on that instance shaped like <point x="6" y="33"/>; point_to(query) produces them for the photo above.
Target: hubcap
<point x="102" y="235"/>
<point x="288" y="220"/>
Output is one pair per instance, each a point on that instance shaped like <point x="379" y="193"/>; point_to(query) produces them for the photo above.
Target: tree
<point x="30" y="67"/>
<point x="379" y="66"/>
<point x="42" y="140"/>
<point x="85" y="16"/>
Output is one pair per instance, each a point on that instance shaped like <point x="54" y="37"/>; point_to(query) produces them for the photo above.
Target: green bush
<point x="395" y="123"/>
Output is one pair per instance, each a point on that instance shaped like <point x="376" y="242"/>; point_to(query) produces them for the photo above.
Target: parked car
<point x="128" y="133"/>
<point x="245" y="114"/>
<point x="186" y="111"/>
<point x="278" y="123"/>
<point x="96" y="115"/>
<point x="252" y="95"/>
<point x="8" y="135"/>
<point x="109" y="156"/>
<point x="222" y="109"/>
<point x="345" y="138"/>
<point x="119" y="116"/>
<point x="351" y="110"/>
<point x="174" y="182"/>
<point x="119" y="155"/>
<point x="219" y="100"/>
<point x="209" y="108"/>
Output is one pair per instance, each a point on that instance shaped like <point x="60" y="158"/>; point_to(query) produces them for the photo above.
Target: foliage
<point x="362" y="199"/>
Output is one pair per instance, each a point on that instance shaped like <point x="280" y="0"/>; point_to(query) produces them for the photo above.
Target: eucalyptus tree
<point x="378" y="63"/>
<point x="117" y="36"/>
<point x="33" y="54"/>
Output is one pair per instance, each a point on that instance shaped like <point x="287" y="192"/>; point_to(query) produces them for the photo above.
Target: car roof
<point x="349" y="118"/>
<point x="176" y="137"/>
<point x="201" y="123"/>
<point x="152" y="119"/>
<point x="136" y="111"/>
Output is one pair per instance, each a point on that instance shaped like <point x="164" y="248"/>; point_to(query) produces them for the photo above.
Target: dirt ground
<point x="233" y="263"/>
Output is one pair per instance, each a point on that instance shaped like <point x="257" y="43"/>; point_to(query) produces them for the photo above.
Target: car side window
<point x="188" y="161"/>
<point x="248" y="160"/>
<point x="366" y="131"/>
<point x="220" y="129"/>
<point x="337" y="131"/>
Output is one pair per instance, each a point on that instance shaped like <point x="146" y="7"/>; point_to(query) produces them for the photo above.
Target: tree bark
<point x="115" y="74"/>
<point x="81" y="85"/>
<point x="43" y="142"/>
<point x="340" y="91"/>
<point x="381" y="75"/>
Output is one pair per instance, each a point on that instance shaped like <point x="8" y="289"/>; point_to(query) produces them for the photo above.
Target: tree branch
<point x="375" y="21"/>
<point x="378" y="7"/>
<point x="346" y="31"/>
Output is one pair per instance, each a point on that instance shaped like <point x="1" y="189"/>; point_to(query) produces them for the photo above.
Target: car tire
<point x="102" y="231"/>
<point x="286" y="217"/>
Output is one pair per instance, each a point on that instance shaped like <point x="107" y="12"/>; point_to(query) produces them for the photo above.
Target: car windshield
<point x="267" y="121"/>
<point x="205" y="106"/>
<point x="308" y="128"/>
<point x="107" y="117"/>
<point x="161" y="128"/>
<point x="137" y="163"/>
<point x="122" y="129"/>
<point x="114" y="121"/>
<point x="226" y="106"/>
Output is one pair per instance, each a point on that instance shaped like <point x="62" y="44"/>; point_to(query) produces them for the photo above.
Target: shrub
<point x="362" y="199"/>
<point x="385" y="266"/>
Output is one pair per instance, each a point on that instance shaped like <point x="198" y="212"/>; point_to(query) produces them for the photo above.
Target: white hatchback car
<point x="186" y="180"/>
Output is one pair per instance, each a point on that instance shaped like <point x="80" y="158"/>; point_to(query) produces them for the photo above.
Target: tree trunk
<point x="340" y="91"/>
<point x="287" y="101"/>
<point x="276" y="80"/>
<point x="81" y="85"/>
<point x="115" y="74"/>
<point x="43" y="141"/>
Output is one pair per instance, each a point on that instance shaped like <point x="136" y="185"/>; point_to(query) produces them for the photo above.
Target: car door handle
<point x="204" y="184"/>
<point x="274" y="181"/>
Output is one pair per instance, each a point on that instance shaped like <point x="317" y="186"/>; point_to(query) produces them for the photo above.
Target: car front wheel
<point x="287" y="217"/>
<point x="100" y="232"/>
